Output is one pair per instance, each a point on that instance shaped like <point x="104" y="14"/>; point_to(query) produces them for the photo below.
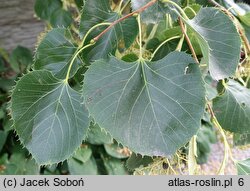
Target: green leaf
<point x="135" y="161"/>
<point x="247" y="31"/>
<point x="20" y="165"/>
<point x="2" y="67"/>
<point x="114" y="166"/>
<point x="164" y="50"/>
<point x="243" y="167"/>
<point x="94" y="12"/>
<point x="219" y="41"/>
<point x="83" y="154"/>
<point x="6" y="84"/>
<point x="121" y="35"/>
<point x="3" y="137"/>
<point x="83" y="163"/>
<point x="79" y="4"/>
<point x="245" y="19"/>
<point x="20" y="58"/>
<point x="98" y="136"/>
<point x="154" y="108"/>
<point x="116" y="151"/>
<point x="210" y="86"/>
<point x="55" y="53"/>
<point x="130" y="57"/>
<point x="45" y="8"/>
<point x="192" y="9"/>
<point x="7" y="125"/>
<point x="78" y="168"/>
<point x="49" y="117"/>
<point x="167" y="33"/>
<point x="205" y="138"/>
<point x="154" y="13"/>
<point x="232" y="108"/>
<point x="241" y="139"/>
<point x="61" y="18"/>
<point x="3" y="162"/>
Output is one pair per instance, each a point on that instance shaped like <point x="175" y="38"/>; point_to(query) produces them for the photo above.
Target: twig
<point x="215" y="3"/>
<point x="125" y="17"/>
<point x="188" y="40"/>
<point x="211" y="111"/>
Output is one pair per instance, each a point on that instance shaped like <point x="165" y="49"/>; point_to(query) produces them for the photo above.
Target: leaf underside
<point x="152" y="107"/>
<point x="49" y="117"/>
<point x="243" y="167"/>
<point x="232" y="109"/>
<point x="219" y="41"/>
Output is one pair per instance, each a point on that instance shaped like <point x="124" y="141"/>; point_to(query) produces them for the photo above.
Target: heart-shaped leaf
<point x="219" y="41"/>
<point x="55" y="53"/>
<point x="232" y="108"/>
<point x="154" y="108"/>
<point x="49" y="117"/>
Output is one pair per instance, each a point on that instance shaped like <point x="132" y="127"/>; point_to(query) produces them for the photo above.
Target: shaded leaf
<point x="94" y="12"/>
<point x="123" y="34"/>
<point x="219" y="41"/>
<point x="206" y="136"/>
<point x="83" y="154"/>
<point x="130" y="57"/>
<point x="78" y="168"/>
<point x="135" y="161"/>
<point x="20" y="58"/>
<point x="61" y="18"/>
<point x="79" y="4"/>
<point x="152" y="107"/>
<point x="6" y="84"/>
<point x="156" y="12"/>
<point x="3" y="137"/>
<point x="114" y="166"/>
<point x="117" y="151"/>
<point x="49" y="117"/>
<point x="247" y="31"/>
<point x="232" y="108"/>
<point x="165" y="49"/>
<point x="97" y="136"/>
<point x="191" y="10"/>
<point x="45" y="8"/>
<point x="18" y="164"/>
<point x="55" y="53"/>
